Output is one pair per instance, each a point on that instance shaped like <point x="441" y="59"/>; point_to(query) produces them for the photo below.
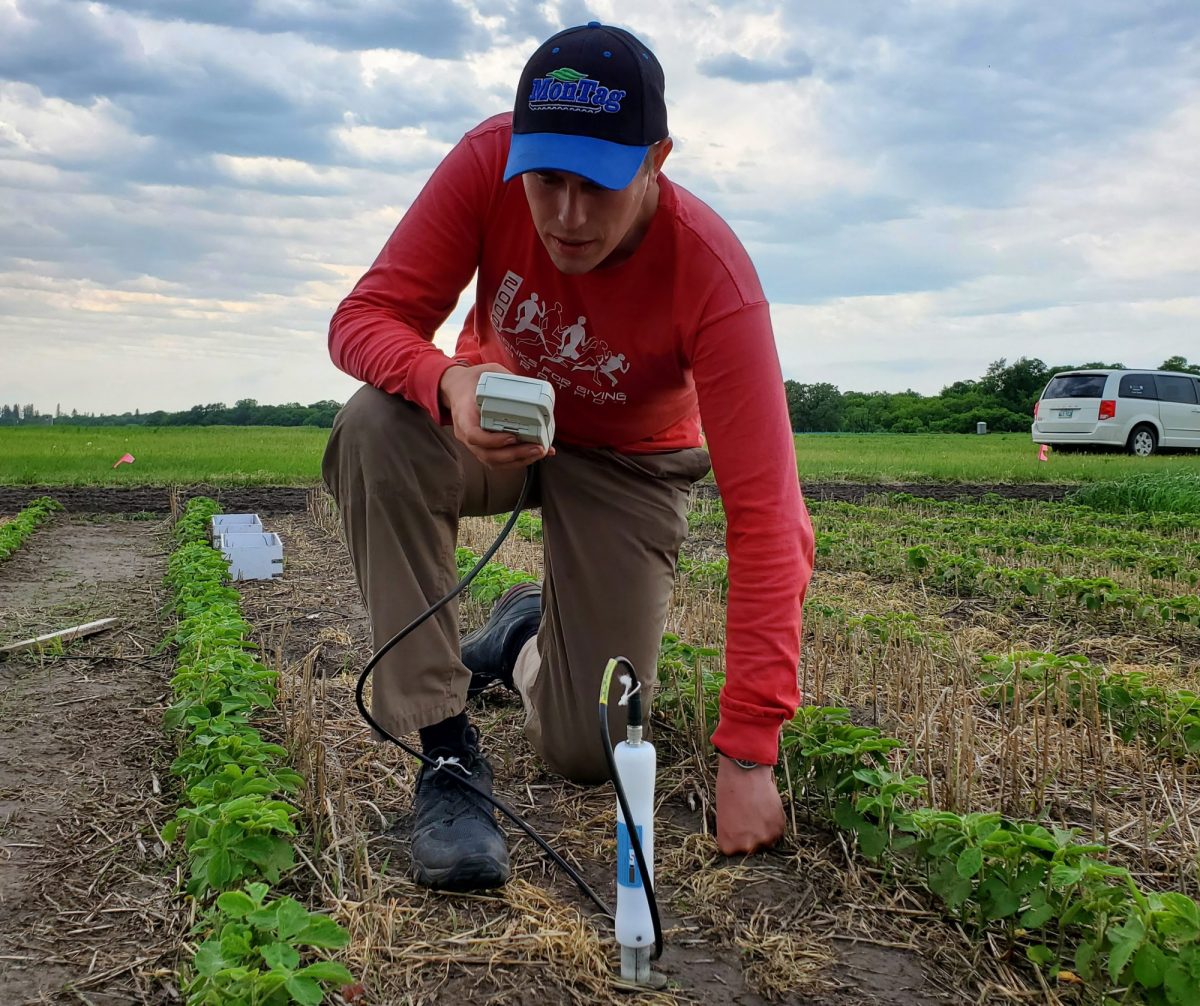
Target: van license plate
<point x="1065" y="413"/>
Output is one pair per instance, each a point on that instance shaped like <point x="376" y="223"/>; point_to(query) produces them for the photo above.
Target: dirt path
<point x="87" y="910"/>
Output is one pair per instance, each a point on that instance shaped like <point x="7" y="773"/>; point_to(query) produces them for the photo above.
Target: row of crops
<point x="1061" y="897"/>
<point x="16" y="532"/>
<point x="236" y="822"/>
<point x="1063" y="554"/>
<point x="1043" y="890"/>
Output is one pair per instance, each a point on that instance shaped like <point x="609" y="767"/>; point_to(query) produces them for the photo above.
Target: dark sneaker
<point x="491" y="652"/>
<point x="456" y="843"/>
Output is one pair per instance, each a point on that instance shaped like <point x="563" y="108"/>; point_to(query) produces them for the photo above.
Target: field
<point x="252" y="455"/>
<point x="1003" y="666"/>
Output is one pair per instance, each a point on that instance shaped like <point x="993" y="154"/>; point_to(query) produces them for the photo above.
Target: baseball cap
<point x="590" y="102"/>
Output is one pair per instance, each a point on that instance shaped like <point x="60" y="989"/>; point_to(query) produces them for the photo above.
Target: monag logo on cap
<point x="571" y="91"/>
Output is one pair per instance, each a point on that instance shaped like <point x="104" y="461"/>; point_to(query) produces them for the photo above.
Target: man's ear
<point x="658" y="156"/>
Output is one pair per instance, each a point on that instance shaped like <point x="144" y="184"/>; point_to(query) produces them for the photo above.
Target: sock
<point x="447" y="734"/>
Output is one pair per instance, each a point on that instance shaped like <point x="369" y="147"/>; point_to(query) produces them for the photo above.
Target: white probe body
<point x="636" y="764"/>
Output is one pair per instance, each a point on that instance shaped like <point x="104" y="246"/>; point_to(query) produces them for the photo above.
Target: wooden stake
<point x="75" y="632"/>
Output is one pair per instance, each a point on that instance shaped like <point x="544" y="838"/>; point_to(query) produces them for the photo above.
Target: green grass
<point x="945" y="457"/>
<point x="180" y="455"/>
<point x="1144" y="494"/>
<point x="269" y="455"/>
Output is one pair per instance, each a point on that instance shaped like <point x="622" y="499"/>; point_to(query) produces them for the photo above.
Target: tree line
<point x="1003" y="398"/>
<point x="244" y="412"/>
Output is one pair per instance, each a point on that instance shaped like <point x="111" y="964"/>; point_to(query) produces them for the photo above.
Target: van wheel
<point x="1143" y="441"/>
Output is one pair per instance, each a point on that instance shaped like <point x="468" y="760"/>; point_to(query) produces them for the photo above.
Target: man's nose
<point x="572" y="211"/>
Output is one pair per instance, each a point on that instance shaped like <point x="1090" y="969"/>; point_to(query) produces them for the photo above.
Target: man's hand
<point x="749" y="810"/>
<point x="499" y="451"/>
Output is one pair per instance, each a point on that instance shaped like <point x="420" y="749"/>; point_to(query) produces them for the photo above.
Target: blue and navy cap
<point x="590" y="102"/>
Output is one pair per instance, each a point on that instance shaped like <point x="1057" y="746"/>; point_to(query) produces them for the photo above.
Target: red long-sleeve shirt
<point x="642" y="354"/>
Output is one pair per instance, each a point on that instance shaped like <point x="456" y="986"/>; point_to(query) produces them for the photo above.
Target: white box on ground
<point x="523" y="406"/>
<point x="252" y="556"/>
<point x="246" y="523"/>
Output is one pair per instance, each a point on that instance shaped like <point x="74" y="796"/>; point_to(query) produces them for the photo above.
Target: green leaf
<point x="970" y="862"/>
<point x="846" y="817"/>
<point x="1150" y="966"/>
<point x="949" y="886"/>
<point x="1035" y="918"/>
<point x="220" y="869"/>
<point x="305" y="991"/>
<point x="872" y="841"/>
<point x="266" y="918"/>
<point x="998" y="900"/>
<point x="1041" y="955"/>
<point x="235" y="904"/>
<point x="326" y="971"/>
<point x="256" y="848"/>
<point x="281" y="955"/>
<point x="293" y="918"/>
<point x="1184" y="918"/>
<point x="1182" y="989"/>
<point x="1125" y="941"/>
<point x="323" y="932"/>
<point x="1085" y="956"/>
<point x="1063" y="875"/>
<point x="208" y="960"/>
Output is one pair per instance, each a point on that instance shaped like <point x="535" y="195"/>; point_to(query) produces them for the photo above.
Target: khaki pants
<point x="612" y="526"/>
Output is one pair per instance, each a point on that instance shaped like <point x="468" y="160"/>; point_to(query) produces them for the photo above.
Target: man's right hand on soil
<point x="499" y="451"/>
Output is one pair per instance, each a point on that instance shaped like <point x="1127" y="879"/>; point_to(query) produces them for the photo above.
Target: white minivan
<point x="1139" y="410"/>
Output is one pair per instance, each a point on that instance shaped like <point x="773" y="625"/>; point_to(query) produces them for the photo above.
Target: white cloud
<point x="283" y="172"/>
<point x="39" y="128"/>
<point x="409" y="145"/>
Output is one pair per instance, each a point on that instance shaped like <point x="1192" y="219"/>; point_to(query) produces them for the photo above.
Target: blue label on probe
<point x="628" y="874"/>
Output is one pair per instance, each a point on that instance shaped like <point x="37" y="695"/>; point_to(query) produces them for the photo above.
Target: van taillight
<point x="1108" y="408"/>
<point x="1036" y="406"/>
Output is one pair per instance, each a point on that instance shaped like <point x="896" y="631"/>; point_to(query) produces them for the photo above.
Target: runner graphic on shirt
<point x="604" y="362"/>
<point x="612" y="366"/>
<point x="529" y="316"/>
<point x="574" y="339"/>
<point x="539" y="324"/>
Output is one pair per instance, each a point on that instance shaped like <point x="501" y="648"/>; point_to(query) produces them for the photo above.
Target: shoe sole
<point x="474" y="873"/>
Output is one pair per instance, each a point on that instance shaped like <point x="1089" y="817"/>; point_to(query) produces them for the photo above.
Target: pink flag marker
<point x="127" y="459"/>
<point x="1041" y="453"/>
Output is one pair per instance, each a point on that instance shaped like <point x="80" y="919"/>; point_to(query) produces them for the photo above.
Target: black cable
<point x="634" y="840"/>
<point x="462" y="781"/>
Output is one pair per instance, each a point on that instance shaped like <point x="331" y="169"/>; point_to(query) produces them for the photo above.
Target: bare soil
<point x="87" y="913"/>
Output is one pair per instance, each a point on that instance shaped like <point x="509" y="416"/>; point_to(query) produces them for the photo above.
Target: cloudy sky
<point x="189" y="187"/>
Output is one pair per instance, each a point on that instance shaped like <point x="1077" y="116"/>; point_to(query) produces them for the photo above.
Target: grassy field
<point x="220" y="455"/>
<point x="263" y="455"/>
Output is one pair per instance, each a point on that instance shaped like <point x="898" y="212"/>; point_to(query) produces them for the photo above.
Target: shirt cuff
<point x="747" y="733"/>
<point x="423" y="379"/>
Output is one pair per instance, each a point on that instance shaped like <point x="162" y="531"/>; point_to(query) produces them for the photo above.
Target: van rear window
<point x="1076" y="386"/>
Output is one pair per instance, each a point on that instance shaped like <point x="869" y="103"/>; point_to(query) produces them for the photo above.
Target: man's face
<point x="583" y="225"/>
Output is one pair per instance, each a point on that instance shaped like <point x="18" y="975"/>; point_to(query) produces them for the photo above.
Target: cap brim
<point x="610" y="165"/>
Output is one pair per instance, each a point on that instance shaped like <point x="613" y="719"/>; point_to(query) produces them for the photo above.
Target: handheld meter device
<point x="522" y="406"/>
